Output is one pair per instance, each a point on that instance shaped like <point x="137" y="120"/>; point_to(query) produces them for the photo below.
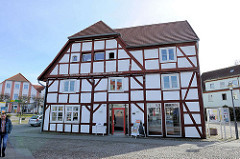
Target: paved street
<point x="28" y="142"/>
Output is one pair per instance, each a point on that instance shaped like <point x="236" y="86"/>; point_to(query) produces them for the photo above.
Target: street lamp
<point x="230" y="86"/>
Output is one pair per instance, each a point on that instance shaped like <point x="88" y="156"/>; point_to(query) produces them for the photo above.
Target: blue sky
<point x="33" y="32"/>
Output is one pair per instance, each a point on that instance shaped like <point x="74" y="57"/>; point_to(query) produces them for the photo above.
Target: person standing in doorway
<point x="6" y="128"/>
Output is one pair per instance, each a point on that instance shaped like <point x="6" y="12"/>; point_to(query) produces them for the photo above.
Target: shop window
<point x="86" y="57"/>
<point x="116" y="84"/>
<point x="167" y="55"/>
<point x="57" y="114"/>
<point x="224" y="96"/>
<point x="99" y="56"/>
<point x="72" y="114"/>
<point x="170" y="81"/>
<point x="69" y="86"/>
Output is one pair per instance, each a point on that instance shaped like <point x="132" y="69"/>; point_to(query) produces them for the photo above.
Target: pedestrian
<point x="6" y="128"/>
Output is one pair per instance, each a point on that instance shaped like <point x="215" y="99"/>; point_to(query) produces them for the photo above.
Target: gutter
<point x="44" y="103"/>
<point x="93" y="36"/>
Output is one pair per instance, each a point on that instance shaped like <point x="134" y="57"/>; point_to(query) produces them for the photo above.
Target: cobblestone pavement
<point x="27" y="142"/>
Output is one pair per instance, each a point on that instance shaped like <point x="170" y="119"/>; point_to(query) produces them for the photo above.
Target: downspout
<point x="44" y="103"/>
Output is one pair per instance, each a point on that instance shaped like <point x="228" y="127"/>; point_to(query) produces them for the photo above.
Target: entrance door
<point x="154" y="119"/>
<point x="173" y="126"/>
<point x="118" y="120"/>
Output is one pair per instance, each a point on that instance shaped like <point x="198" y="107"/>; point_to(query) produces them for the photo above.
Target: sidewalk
<point x="16" y="153"/>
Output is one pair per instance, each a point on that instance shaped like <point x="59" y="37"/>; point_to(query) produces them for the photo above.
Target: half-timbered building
<point x="103" y="80"/>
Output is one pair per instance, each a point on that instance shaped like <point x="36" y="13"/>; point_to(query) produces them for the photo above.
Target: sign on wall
<point x="218" y="115"/>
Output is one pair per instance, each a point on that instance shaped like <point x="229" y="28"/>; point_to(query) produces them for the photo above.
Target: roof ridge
<point x="148" y="25"/>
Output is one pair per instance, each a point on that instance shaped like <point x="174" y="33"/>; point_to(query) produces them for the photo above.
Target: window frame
<point x="73" y="58"/>
<point x="168" y="60"/>
<point x="116" y="78"/>
<point x="69" y="86"/>
<point x="211" y="86"/>
<point x="25" y="86"/>
<point x="99" y="52"/>
<point x="8" y="85"/>
<point x="170" y="81"/>
<point x="15" y="95"/>
<point x="224" y="96"/>
<point x="57" y="121"/>
<point x="72" y="112"/>
<point x="86" y="54"/>
<point x="222" y="85"/>
<point x="17" y="86"/>
<point x="210" y="98"/>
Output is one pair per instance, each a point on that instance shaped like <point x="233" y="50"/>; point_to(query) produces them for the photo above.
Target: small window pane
<point x="99" y="56"/>
<point x="69" y="108"/>
<point x="166" y="82"/>
<point x="8" y="85"/>
<point x="111" y="55"/>
<point x="25" y="86"/>
<point x="235" y="83"/>
<point x="75" y="116"/>
<point x="171" y="54"/>
<point x="60" y="108"/>
<point x="17" y="86"/>
<point x="164" y="55"/>
<point x="174" y="82"/>
<point x="119" y="84"/>
<point x="72" y="83"/>
<point x="66" y="83"/>
<point x="87" y="57"/>
<point x="74" y="58"/>
<point x="69" y="116"/>
<point x="75" y="108"/>
<point x="54" y="108"/>
<point x="112" y="84"/>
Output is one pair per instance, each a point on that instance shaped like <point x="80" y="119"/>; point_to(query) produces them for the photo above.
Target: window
<point x="212" y="85"/>
<point x="86" y="57"/>
<point x="167" y="54"/>
<point x="210" y="98"/>
<point x="235" y="96"/>
<point x="74" y="58"/>
<point x="15" y="96"/>
<point x="235" y="83"/>
<point x="224" y="96"/>
<point x="57" y="113"/>
<point x="8" y="85"/>
<point x="99" y="56"/>
<point x="111" y="55"/>
<point x="170" y="81"/>
<point x="69" y="86"/>
<point x="17" y="86"/>
<point x="72" y="114"/>
<point x="222" y="84"/>
<point x="116" y="84"/>
<point x="25" y="86"/>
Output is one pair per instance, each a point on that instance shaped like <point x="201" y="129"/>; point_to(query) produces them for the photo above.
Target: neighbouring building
<point x="104" y="80"/>
<point x="215" y="85"/>
<point x="17" y="86"/>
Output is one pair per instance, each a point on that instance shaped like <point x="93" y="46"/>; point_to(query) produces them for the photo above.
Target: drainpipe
<point x="45" y="97"/>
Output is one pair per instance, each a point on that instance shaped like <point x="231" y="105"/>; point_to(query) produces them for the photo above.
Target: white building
<point x="115" y="77"/>
<point x="216" y="92"/>
<point x="17" y="86"/>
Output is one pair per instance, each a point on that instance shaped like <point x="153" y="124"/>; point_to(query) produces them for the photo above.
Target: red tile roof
<point x="99" y="28"/>
<point x="38" y="88"/>
<point x="156" y="34"/>
<point x="18" y="77"/>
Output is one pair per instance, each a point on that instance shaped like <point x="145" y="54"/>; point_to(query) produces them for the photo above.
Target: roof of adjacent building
<point x="147" y="35"/>
<point x="38" y="88"/>
<point x="221" y="73"/>
<point x="18" y="77"/>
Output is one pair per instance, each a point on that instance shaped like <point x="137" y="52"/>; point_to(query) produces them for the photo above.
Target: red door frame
<point x="124" y="116"/>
